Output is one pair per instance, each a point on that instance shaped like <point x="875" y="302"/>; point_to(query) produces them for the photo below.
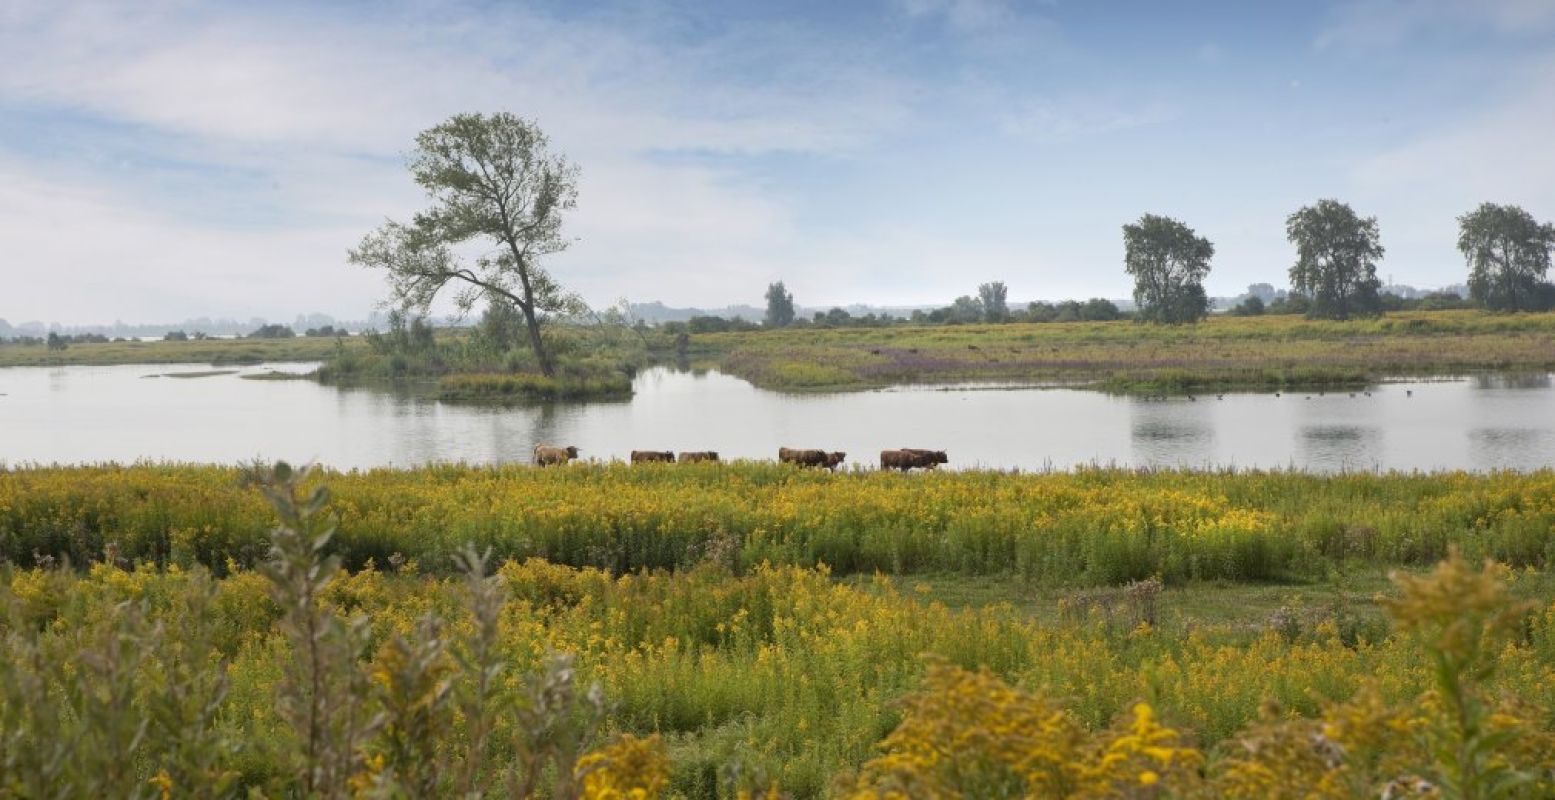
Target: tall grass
<point x="1090" y="527"/>
<point x="777" y="676"/>
<point x="1221" y="352"/>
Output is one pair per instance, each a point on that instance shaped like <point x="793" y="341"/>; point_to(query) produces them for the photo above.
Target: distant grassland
<point x="204" y="351"/>
<point x="1220" y="353"/>
<point x="1091" y="527"/>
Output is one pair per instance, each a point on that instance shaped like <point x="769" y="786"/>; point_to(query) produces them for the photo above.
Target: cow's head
<point x="833" y="459"/>
<point x="940" y="457"/>
<point x="572" y="452"/>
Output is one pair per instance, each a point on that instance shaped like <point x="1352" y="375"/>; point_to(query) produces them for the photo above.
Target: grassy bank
<point x="202" y="351"/>
<point x="525" y="387"/>
<point x="474" y="366"/>
<point x="1086" y="528"/>
<point x="1220" y="354"/>
<point x="1271" y="352"/>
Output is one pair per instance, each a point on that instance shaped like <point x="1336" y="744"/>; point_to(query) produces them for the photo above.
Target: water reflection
<point x="1492" y="447"/>
<point x="1173" y="432"/>
<point x="1512" y="381"/>
<point x="86" y="414"/>
<point x="1333" y="448"/>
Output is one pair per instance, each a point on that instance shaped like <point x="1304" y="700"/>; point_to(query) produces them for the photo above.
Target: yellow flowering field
<point x="1090" y="527"/>
<point x="780" y="677"/>
<point x="228" y="647"/>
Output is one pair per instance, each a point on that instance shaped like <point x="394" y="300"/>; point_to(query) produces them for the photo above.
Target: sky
<point x="166" y="159"/>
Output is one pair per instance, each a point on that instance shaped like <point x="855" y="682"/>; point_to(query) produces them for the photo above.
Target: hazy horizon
<point x="177" y="159"/>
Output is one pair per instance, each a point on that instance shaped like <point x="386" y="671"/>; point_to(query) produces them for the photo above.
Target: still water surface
<point x="94" y="414"/>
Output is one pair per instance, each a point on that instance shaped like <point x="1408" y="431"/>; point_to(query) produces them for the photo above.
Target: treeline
<point x="1507" y="252"/>
<point x="62" y="341"/>
<point x="988" y="305"/>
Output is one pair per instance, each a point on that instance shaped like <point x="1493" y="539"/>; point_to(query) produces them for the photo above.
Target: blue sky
<point x="165" y="158"/>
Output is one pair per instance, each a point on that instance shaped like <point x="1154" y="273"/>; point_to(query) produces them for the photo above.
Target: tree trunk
<point x="537" y="344"/>
<point x="532" y="322"/>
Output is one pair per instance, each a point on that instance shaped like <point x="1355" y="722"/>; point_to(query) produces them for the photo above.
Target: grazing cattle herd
<point x="907" y="458"/>
<point x="546" y="455"/>
<point x="810" y="458"/>
<point x="904" y="459"/>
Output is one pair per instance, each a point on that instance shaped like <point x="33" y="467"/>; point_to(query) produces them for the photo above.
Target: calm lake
<point x="94" y="414"/>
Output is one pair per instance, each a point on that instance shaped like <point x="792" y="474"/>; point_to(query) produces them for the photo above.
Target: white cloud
<point x="1367" y="24"/>
<point x="321" y="106"/>
<point x="1054" y="122"/>
<point x="1500" y="155"/>
<point x="966" y="15"/>
<point x="76" y="253"/>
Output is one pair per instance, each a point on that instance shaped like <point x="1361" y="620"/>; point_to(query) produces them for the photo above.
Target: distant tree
<point x="1289" y="304"/>
<point x="492" y="179"/>
<point x="1168" y="261"/>
<point x="707" y="324"/>
<point x="835" y="318"/>
<point x="994" y="298"/>
<point x="1436" y="301"/>
<point x="1038" y="311"/>
<point x="273" y="331"/>
<point x="966" y="310"/>
<point x="1251" y="307"/>
<point x="501" y="327"/>
<point x="1263" y="291"/>
<point x="1336" y="260"/>
<point x="1508" y="254"/>
<point x="1098" y="309"/>
<point x="780" y="306"/>
<point x="57" y="342"/>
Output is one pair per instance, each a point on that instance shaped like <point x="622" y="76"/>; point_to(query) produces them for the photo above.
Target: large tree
<point x="780" y="306"/>
<point x="1168" y="261"/>
<point x="494" y="184"/>
<point x="1508" y="253"/>
<point x="1336" y="260"/>
<point x="994" y="297"/>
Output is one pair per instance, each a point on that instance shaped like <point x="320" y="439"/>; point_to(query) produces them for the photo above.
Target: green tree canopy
<point x="1508" y="254"/>
<point x="1168" y="261"/>
<point x="493" y="182"/>
<point x="1336" y="260"/>
<point x="780" y="306"/>
<point x="994" y="297"/>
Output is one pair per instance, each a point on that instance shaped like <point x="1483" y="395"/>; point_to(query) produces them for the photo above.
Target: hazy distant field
<point x="206" y="351"/>
<point x="1221" y="352"/>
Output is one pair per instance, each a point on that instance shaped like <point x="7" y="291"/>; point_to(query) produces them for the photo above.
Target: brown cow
<point x="802" y="457"/>
<point x="928" y="459"/>
<point x="910" y="458"/>
<point x="698" y="456"/>
<point x="546" y="455"/>
<point x="810" y="458"/>
<point x="652" y="457"/>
